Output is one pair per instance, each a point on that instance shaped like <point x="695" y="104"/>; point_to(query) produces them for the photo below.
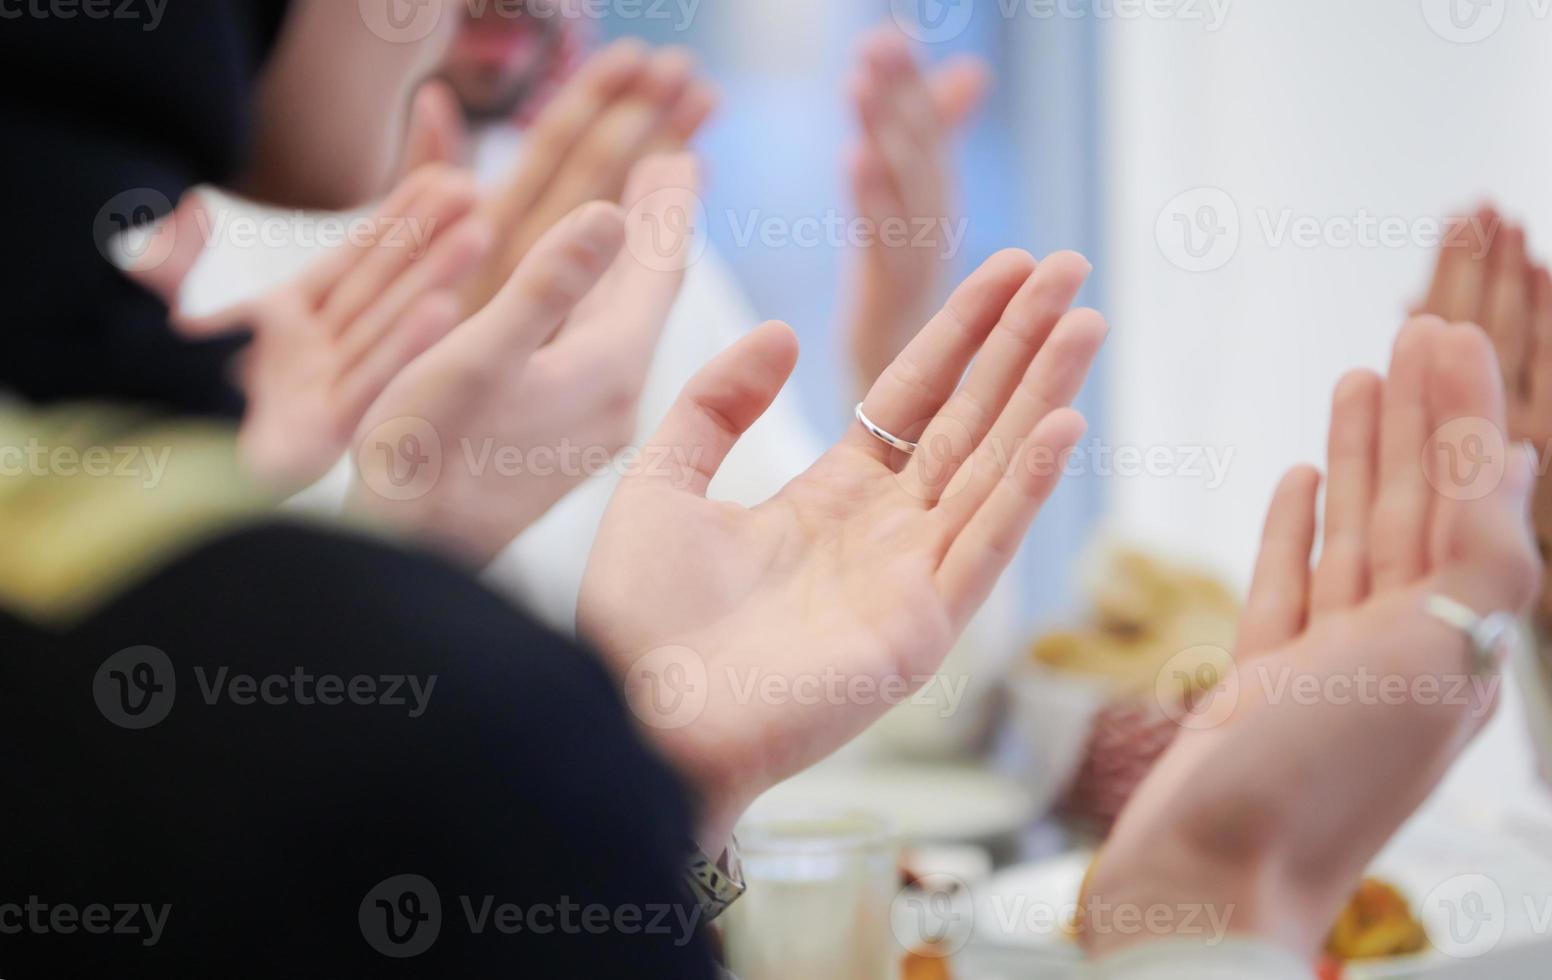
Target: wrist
<point x="1175" y="890"/>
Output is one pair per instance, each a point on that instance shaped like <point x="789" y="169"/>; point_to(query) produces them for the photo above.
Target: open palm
<point x="754" y="642"/>
<point x="327" y="344"/>
<point x="1350" y="701"/>
<point x="536" y="393"/>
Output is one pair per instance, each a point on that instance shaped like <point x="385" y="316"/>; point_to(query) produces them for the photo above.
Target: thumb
<point x="1483" y="546"/>
<point x="163" y="255"/>
<point x="718" y="406"/>
<point x="544" y="291"/>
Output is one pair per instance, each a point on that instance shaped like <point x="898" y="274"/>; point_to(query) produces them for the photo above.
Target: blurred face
<point x="502" y="50"/>
<point x="334" y="101"/>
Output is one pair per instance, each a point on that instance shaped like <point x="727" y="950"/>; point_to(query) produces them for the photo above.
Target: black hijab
<point x="109" y="118"/>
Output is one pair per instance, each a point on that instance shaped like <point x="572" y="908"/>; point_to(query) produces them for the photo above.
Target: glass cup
<point x="818" y="901"/>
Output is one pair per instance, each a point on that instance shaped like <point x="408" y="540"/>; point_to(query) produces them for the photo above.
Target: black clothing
<point x="256" y="831"/>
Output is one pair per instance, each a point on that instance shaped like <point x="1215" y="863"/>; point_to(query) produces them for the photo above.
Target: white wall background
<point x="1311" y="108"/>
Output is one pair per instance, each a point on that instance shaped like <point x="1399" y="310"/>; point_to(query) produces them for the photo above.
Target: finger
<point x="1466" y="448"/>
<point x="634" y="299"/>
<point x="1398" y="532"/>
<point x="909" y="147"/>
<point x="165" y="259"/>
<point x="430" y="319"/>
<point x="565" y="121"/>
<point x="1483" y="543"/>
<point x="326" y="273"/>
<point x="1452" y="254"/>
<point x="959" y="87"/>
<point x="717" y="407"/>
<point x="1463" y="292"/>
<point x="907" y="100"/>
<point x="1051" y="383"/>
<point x="546" y="287"/>
<point x="398" y="240"/>
<point x="1541" y="350"/>
<point x="686" y="117"/>
<point x="916" y="384"/>
<point x="601" y="162"/>
<point x="982" y="551"/>
<point x="436" y="133"/>
<point x="1507" y="318"/>
<point x="1278" y="604"/>
<point x="1003" y="361"/>
<point x="450" y="258"/>
<point x="1341" y="578"/>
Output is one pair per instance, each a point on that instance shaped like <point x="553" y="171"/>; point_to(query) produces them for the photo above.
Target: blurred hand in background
<point x="325" y="345"/>
<point x="1486" y="276"/>
<point x="624" y="104"/>
<point x="902" y="175"/>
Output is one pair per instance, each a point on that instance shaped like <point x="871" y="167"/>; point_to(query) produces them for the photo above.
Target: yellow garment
<point x="93" y="497"/>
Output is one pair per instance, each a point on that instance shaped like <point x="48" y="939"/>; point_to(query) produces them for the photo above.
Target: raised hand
<point x="858" y="575"/>
<point x="1485" y="276"/>
<point x="539" y="390"/>
<point x="1274" y="800"/>
<point x="326" y="345"/>
<point x="902" y="175"/>
<point x="623" y="105"/>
